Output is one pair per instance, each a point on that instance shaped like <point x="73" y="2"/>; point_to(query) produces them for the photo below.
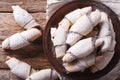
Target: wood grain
<point x="7" y="75"/>
<point x="33" y="54"/>
<point x="29" y="5"/>
<point x="8" y="26"/>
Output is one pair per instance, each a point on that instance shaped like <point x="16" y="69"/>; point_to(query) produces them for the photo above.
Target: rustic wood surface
<point x="34" y="51"/>
<point x="33" y="54"/>
<point x="30" y="5"/>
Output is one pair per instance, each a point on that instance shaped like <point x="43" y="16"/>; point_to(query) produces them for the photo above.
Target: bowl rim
<point x="46" y="37"/>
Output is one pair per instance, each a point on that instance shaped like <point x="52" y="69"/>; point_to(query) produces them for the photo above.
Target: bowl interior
<point x="57" y="17"/>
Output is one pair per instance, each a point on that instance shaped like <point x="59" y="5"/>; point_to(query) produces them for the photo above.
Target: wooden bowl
<point x="57" y="17"/>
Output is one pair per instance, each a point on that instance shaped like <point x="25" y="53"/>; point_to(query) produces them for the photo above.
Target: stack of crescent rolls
<point x="75" y="48"/>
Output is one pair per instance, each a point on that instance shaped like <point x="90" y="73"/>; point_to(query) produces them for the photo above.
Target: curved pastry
<point x="62" y="31"/>
<point x="23" y="18"/>
<point x="22" y="39"/>
<point x="81" y="49"/>
<point x="46" y="74"/>
<point x="83" y="26"/>
<point x="109" y="44"/>
<point x="19" y="68"/>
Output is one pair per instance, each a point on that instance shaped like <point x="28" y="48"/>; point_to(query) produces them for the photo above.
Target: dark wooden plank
<point x="8" y="25"/>
<point x="32" y="54"/>
<point x="7" y="75"/>
<point x="29" y="5"/>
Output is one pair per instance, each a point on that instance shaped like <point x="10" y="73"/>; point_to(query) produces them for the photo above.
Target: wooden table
<point x="32" y="54"/>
